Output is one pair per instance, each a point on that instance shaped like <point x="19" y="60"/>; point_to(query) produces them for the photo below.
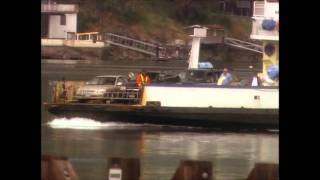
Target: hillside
<point x="155" y="20"/>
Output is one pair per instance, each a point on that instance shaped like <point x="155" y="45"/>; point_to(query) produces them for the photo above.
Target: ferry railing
<point x="65" y="92"/>
<point x="243" y="44"/>
<point x="129" y="96"/>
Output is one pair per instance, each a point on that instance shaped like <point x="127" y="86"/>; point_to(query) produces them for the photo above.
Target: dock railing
<point x="89" y="36"/>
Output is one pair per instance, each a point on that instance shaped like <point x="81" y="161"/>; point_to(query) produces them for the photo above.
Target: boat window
<point x="102" y="81"/>
<point x="123" y="80"/>
<point x="196" y="74"/>
<point x="153" y="75"/>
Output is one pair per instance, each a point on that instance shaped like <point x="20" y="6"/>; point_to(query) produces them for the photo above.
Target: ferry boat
<point x="203" y="104"/>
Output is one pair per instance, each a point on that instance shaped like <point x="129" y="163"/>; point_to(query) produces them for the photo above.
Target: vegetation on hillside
<point x="155" y="20"/>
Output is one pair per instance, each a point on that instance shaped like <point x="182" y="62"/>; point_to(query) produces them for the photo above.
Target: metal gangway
<point x="133" y="44"/>
<point x="243" y="44"/>
<point x="157" y="50"/>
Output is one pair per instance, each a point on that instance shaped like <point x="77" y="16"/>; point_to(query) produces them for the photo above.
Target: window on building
<point x="63" y="19"/>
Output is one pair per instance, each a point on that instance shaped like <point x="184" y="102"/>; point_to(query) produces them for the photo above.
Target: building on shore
<point x="237" y="7"/>
<point x="58" y="21"/>
<point x="59" y="30"/>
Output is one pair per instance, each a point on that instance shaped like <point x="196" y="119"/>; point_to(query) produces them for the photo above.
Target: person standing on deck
<point x="64" y="89"/>
<point x="272" y="78"/>
<point x="256" y="80"/>
<point x="142" y="79"/>
<point x="225" y="78"/>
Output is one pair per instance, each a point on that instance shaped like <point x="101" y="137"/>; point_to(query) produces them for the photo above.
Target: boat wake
<point x="84" y="123"/>
<point x="91" y="124"/>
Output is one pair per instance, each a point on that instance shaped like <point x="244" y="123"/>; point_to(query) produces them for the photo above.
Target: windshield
<point x="196" y="74"/>
<point x="102" y="81"/>
<point x="153" y="75"/>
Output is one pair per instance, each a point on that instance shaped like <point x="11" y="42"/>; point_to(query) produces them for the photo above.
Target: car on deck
<point x="99" y="86"/>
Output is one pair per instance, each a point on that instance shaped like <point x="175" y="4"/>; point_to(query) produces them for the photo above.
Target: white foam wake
<point x="80" y="123"/>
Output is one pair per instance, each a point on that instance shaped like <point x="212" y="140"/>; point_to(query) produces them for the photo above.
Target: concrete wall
<point x="52" y="42"/>
<point x="72" y="43"/>
<point x="208" y="96"/>
<point x="65" y="52"/>
<point x="60" y="31"/>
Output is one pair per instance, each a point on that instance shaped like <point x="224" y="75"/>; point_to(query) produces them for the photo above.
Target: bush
<point x="86" y="21"/>
<point x="130" y="16"/>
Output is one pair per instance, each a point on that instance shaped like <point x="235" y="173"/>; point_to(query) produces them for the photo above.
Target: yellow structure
<point x="265" y="27"/>
<point x="268" y="60"/>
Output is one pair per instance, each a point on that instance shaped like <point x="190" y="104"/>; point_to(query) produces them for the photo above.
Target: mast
<point x="198" y="33"/>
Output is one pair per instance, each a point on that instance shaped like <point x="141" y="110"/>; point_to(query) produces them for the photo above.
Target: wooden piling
<point x="264" y="171"/>
<point x="193" y="170"/>
<point x="56" y="168"/>
<point x="130" y="167"/>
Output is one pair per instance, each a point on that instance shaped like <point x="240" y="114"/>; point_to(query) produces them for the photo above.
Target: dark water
<point x="88" y="143"/>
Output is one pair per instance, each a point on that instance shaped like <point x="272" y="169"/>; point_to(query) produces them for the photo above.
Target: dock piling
<point x="264" y="171"/>
<point x="123" y="169"/>
<point x="57" y="168"/>
<point x="193" y="170"/>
